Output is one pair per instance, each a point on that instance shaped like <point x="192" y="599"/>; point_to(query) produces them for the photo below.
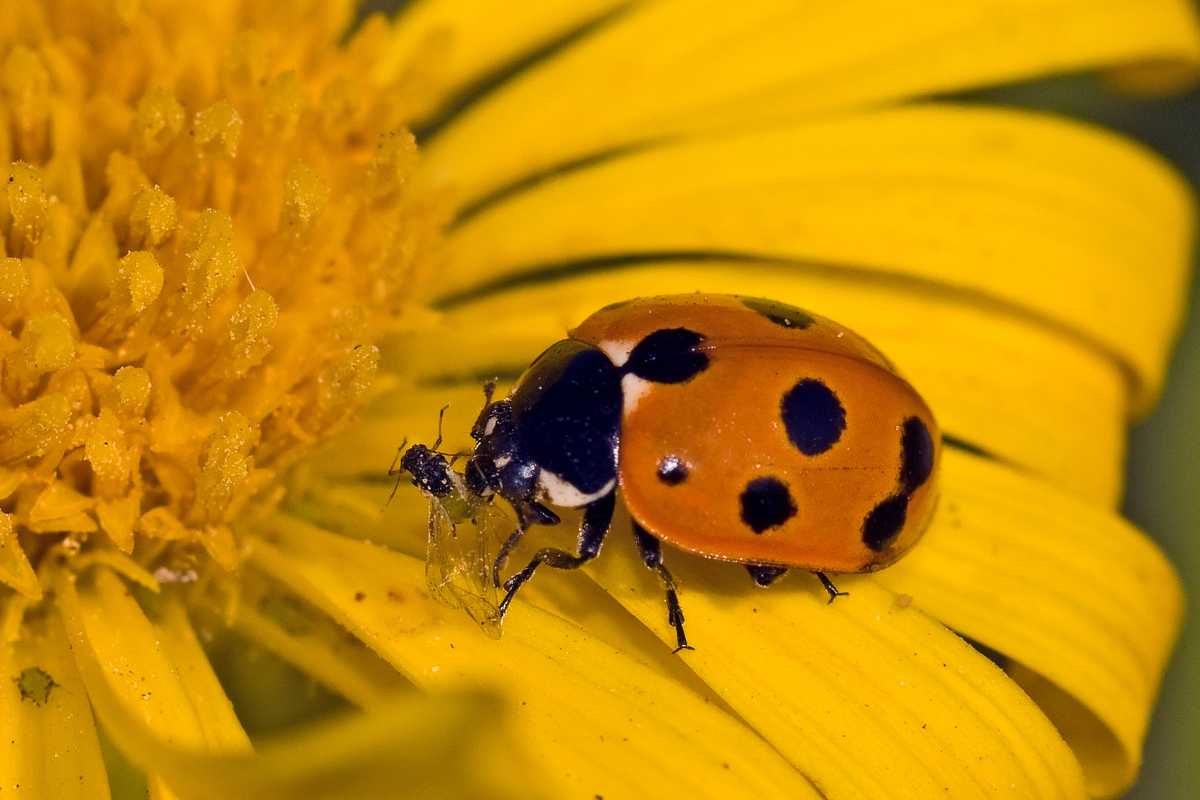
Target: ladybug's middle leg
<point x="829" y="587"/>
<point x="597" y="516"/>
<point x="651" y="550"/>
<point x="765" y="575"/>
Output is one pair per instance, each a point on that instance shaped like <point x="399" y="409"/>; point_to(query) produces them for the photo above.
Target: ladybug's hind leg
<point x="597" y="516"/>
<point x="651" y="550"/>
<point x="829" y="587"/>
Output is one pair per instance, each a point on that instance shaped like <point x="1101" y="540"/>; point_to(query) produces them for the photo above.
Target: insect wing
<point x="458" y="561"/>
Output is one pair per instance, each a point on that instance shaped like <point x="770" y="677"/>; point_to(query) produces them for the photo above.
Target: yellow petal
<point x="406" y="744"/>
<point x="15" y="569"/>
<point x="1002" y="209"/>
<point x="315" y="645"/>
<point x="159" y="790"/>
<point x="1084" y="602"/>
<point x="869" y="698"/>
<point x="156" y="668"/>
<point x="847" y="721"/>
<point x="467" y="39"/>
<point x="10" y="481"/>
<point x="664" y="68"/>
<point x="61" y="508"/>
<point x="49" y="746"/>
<point x="117" y="518"/>
<point x="583" y="706"/>
<point x="219" y="726"/>
<point x="118" y="562"/>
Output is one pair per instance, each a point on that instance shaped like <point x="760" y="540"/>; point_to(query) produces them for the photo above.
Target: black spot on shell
<point x="813" y="416"/>
<point x="766" y="503"/>
<point x="917" y="455"/>
<point x="884" y="522"/>
<point x="672" y="471"/>
<point x="668" y="356"/>
<point x="780" y="313"/>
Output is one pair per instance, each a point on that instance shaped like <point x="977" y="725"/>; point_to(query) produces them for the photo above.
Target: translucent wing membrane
<point x="465" y="532"/>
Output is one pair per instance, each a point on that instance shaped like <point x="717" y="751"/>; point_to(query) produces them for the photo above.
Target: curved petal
<point x="15" y="570"/>
<point x="868" y="698"/>
<point x="49" y="747"/>
<point x="583" y="706"/>
<point x="405" y="743"/>
<point x="665" y="68"/>
<point x="312" y="643"/>
<point x="1004" y="207"/>
<point x="475" y="42"/>
<point x="206" y="755"/>
<point x="156" y="666"/>
<point x="882" y="702"/>
<point x="1084" y="602"/>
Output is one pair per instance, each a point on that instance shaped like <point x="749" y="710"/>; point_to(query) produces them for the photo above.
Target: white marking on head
<point x="617" y="352"/>
<point x="561" y="493"/>
<point x="489" y="426"/>
<point x="502" y="461"/>
<point x="632" y="389"/>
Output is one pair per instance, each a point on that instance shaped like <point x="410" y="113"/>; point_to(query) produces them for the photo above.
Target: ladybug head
<point x="498" y="463"/>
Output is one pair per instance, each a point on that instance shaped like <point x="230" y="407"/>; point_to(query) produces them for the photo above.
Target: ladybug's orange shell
<point x="726" y="425"/>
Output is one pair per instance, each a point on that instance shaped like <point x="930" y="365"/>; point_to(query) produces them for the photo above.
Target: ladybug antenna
<point x="489" y="389"/>
<point x="441" y="416"/>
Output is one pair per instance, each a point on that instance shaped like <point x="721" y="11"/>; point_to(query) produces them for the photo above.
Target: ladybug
<point x="736" y="428"/>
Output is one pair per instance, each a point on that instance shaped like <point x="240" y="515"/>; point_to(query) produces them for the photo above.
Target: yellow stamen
<point x="196" y="258"/>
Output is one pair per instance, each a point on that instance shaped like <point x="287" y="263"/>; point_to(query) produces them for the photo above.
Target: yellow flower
<point x="214" y="213"/>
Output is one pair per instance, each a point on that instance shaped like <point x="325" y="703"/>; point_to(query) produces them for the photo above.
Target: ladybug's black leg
<point x="829" y="587"/>
<point x="764" y="574"/>
<point x="651" y="550"/>
<point x="533" y="513"/>
<point x="597" y="517"/>
<point x="541" y="515"/>
<point x="502" y="555"/>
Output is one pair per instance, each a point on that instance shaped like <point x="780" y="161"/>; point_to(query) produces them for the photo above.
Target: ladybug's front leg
<point x="651" y="550"/>
<point x="597" y="517"/>
<point x="533" y="513"/>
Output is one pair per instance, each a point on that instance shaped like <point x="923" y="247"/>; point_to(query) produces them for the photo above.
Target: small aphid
<point x="464" y="533"/>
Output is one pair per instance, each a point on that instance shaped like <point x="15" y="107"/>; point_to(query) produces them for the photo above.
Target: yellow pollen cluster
<point x="196" y="256"/>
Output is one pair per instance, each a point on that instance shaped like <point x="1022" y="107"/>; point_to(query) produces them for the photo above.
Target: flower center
<point x="201" y="234"/>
